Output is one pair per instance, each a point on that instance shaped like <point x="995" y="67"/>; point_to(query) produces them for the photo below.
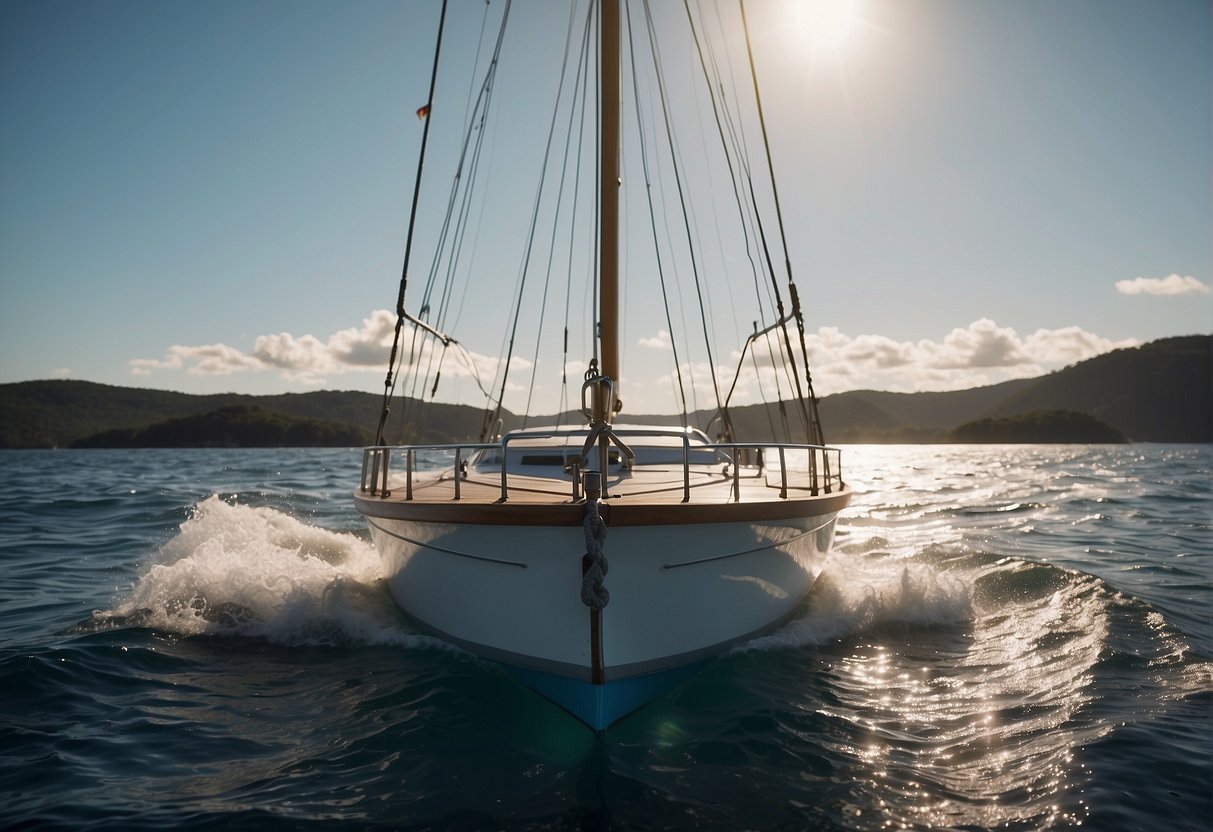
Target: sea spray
<point x="855" y="593"/>
<point x="237" y="570"/>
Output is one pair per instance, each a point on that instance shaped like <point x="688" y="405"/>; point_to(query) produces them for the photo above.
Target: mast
<point x="608" y="245"/>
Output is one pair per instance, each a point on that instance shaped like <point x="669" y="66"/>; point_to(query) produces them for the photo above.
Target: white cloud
<point x="284" y="351"/>
<point x="309" y="360"/>
<point x="979" y="354"/>
<point x="661" y="342"/>
<point x="367" y="346"/>
<point x="1068" y="345"/>
<point x="303" y="358"/>
<point x="982" y="343"/>
<point x="206" y="360"/>
<point x="61" y="372"/>
<point x="1172" y="284"/>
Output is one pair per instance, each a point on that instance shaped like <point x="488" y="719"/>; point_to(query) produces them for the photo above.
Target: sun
<point x="828" y="28"/>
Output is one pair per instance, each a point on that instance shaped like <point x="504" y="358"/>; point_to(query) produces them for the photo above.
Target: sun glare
<point x="827" y="27"/>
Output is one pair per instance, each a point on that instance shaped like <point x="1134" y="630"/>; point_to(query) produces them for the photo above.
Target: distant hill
<point x="1159" y="392"/>
<point x="237" y="426"/>
<point x="1053" y="426"/>
<point x="59" y="414"/>
<point x="873" y="416"/>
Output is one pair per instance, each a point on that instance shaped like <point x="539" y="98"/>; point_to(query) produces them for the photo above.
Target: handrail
<point x="823" y="470"/>
<point x="379" y="455"/>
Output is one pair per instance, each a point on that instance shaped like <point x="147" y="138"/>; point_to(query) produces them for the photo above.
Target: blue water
<point x="1010" y="637"/>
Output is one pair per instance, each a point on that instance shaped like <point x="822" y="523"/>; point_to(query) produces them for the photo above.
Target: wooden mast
<point x="608" y="244"/>
<point x="608" y="281"/>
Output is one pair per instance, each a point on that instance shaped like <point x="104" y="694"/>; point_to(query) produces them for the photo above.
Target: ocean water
<point x="1007" y="637"/>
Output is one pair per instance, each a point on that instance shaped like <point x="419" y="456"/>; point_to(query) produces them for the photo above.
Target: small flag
<point x="424" y="111"/>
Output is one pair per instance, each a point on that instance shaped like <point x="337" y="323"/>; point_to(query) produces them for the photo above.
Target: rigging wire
<point x="470" y="106"/>
<point x="524" y="269"/>
<point x="661" y="88"/>
<point x="413" y="412"/>
<point x="564" y="167"/>
<point x="464" y="223"/>
<point x="814" y="427"/>
<point x="460" y="207"/>
<point x="648" y="189"/>
<point x="455" y="223"/>
<point x="572" y="247"/>
<point x="749" y="220"/>
<point x="712" y="174"/>
<point x="747" y="209"/>
<point x="678" y="281"/>
<point x="389" y="383"/>
<point x="782" y="318"/>
<point x="736" y="140"/>
<point x="596" y="334"/>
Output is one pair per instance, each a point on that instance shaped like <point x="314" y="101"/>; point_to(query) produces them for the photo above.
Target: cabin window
<point x="560" y="460"/>
<point x="543" y="459"/>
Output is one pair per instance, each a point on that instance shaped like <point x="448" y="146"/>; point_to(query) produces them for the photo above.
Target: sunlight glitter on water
<point x="980" y="652"/>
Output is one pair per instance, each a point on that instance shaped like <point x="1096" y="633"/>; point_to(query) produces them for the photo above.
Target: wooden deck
<point x="647" y="497"/>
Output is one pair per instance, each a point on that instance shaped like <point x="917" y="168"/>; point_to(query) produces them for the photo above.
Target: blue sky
<point x="212" y="197"/>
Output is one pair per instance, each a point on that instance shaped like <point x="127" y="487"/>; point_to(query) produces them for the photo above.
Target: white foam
<point x="243" y="571"/>
<point x="855" y="593"/>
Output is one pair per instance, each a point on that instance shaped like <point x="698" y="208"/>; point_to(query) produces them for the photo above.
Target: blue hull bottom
<point x="599" y="706"/>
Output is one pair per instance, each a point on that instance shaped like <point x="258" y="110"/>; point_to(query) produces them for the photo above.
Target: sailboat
<point x="601" y="563"/>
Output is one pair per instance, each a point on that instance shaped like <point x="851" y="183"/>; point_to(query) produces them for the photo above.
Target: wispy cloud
<point x="1172" y="284"/>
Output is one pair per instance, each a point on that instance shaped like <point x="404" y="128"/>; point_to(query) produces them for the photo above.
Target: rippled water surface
<point x="1007" y="637"/>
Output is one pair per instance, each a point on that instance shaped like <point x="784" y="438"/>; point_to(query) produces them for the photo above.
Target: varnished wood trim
<point x="623" y="511"/>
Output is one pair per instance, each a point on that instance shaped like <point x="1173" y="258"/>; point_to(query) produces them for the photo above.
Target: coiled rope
<point x="593" y="593"/>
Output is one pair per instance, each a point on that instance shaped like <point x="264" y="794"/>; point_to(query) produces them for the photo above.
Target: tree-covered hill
<point x="58" y="414"/>
<point x="236" y="426"/>
<point x="1159" y="392"/>
<point x="1049" y="427"/>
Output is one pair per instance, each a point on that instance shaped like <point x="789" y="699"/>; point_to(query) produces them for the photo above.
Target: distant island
<point x="1049" y="427"/>
<point x="1159" y="392"/>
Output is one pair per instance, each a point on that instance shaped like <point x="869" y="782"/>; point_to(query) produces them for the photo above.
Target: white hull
<point x="678" y="593"/>
<point x="701" y="553"/>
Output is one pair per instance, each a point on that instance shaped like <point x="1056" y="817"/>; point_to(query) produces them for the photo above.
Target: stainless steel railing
<point x="822" y="473"/>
